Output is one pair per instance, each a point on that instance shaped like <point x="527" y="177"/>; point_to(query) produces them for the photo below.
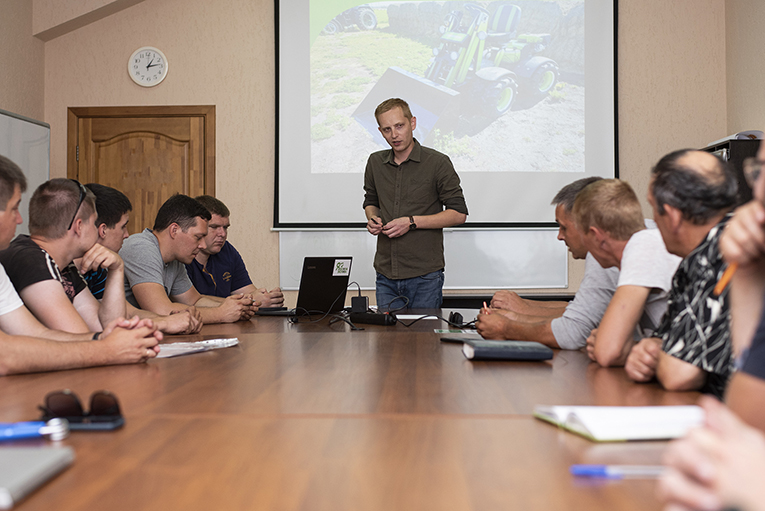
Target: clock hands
<point x="152" y="65"/>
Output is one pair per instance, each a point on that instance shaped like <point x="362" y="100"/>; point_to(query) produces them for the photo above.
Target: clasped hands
<point x="393" y="229"/>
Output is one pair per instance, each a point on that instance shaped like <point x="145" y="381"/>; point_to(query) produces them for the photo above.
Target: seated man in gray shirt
<point x="155" y="275"/>
<point x="556" y="324"/>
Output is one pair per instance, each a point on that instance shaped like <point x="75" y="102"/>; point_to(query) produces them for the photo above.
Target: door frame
<point x="74" y="114"/>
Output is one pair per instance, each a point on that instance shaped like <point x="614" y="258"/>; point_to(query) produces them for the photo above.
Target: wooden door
<point x="148" y="153"/>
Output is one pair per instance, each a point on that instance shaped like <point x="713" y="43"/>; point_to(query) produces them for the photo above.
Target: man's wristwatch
<point x="412" y="225"/>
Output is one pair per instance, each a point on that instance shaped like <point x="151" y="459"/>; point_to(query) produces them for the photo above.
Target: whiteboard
<point x="27" y="143"/>
<point x="475" y="259"/>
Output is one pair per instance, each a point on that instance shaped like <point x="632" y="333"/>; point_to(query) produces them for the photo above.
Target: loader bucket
<point x="436" y="107"/>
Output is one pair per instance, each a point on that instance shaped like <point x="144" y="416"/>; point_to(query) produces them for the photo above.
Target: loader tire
<point x="366" y="19"/>
<point x="499" y="96"/>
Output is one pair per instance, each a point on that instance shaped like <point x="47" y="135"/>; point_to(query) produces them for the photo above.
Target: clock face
<point x="147" y="66"/>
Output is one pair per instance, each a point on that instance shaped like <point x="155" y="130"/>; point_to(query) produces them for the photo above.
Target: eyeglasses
<point x="83" y="194"/>
<point x="752" y="168"/>
<point x="64" y="404"/>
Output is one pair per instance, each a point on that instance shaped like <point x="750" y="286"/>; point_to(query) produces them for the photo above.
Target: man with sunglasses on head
<point x="37" y="349"/>
<point x="62" y="226"/>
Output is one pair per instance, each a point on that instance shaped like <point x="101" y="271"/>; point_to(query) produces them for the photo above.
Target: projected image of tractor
<point x="483" y="58"/>
<point x="362" y="16"/>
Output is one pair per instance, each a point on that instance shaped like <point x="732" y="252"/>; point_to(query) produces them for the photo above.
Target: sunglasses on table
<point x="104" y="413"/>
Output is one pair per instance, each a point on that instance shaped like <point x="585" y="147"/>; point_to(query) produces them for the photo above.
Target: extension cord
<point x="372" y="318"/>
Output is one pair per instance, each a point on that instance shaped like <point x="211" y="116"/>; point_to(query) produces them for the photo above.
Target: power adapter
<point x="359" y="303"/>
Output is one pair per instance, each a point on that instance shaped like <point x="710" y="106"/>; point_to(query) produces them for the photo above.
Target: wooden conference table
<point x="315" y="416"/>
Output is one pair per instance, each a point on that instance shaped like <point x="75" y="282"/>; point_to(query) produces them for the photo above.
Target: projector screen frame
<point x="278" y="224"/>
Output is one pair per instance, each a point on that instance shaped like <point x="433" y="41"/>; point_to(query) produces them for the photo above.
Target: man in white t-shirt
<point x="28" y="346"/>
<point x="563" y="325"/>
<point x="609" y="214"/>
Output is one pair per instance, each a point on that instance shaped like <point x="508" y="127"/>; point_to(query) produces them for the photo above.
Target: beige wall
<point x="745" y="42"/>
<point x="22" y="61"/>
<point x="672" y="57"/>
<point x="671" y="86"/>
<point x="219" y="53"/>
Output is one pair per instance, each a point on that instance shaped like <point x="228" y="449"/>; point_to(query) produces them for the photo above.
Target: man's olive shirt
<point x="424" y="184"/>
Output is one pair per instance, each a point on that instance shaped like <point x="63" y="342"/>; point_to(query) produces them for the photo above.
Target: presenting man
<point x="557" y="324"/>
<point x="411" y="194"/>
<point x="692" y="194"/>
<point x="218" y="269"/>
<point x="609" y="215"/>
<point x="155" y="275"/>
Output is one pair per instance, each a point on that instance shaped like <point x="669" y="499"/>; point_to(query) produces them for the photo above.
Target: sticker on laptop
<point x="341" y="268"/>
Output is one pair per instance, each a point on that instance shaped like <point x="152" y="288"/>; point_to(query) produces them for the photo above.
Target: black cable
<point x="296" y="318"/>
<point x="427" y="316"/>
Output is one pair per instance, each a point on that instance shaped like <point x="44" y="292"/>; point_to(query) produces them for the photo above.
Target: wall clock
<point x="147" y="66"/>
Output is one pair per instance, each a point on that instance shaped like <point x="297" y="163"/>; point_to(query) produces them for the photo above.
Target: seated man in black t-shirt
<point x="62" y="226"/>
<point x="743" y="243"/>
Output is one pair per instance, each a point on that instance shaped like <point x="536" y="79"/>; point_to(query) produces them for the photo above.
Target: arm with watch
<point x="400" y="226"/>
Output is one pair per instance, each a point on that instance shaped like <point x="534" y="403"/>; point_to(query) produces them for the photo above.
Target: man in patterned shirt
<point x="692" y="194"/>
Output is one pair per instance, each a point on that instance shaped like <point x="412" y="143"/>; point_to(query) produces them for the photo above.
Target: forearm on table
<point x="530" y="328"/>
<point x="677" y="375"/>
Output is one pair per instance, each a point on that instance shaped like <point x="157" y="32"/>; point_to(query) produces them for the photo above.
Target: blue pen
<point x="618" y="471"/>
<point x="56" y="429"/>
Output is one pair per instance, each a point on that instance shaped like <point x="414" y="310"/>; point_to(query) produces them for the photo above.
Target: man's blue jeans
<point x="423" y="292"/>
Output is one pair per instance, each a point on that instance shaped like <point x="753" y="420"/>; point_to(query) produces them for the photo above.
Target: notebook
<point x="22" y="469"/>
<point x="479" y="349"/>
<point x="620" y="423"/>
<point x="323" y="284"/>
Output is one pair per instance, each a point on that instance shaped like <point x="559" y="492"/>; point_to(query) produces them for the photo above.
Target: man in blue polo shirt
<point x="218" y="270"/>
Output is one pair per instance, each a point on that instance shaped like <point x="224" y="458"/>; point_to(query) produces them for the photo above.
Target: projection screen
<point x="519" y="94"/>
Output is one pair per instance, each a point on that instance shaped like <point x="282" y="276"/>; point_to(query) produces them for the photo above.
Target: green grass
<point x="320" y="132"/>
<point x="447" y="144"/>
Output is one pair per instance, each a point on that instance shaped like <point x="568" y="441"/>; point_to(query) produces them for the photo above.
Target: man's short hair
<point x="567" y="195"/>
<point x="699" y="194"/>
<point x="10" y="176"/>
<point x="610" y="205"/>
<point x="54" y="205"/>
<point x="111" y="204"/>
<point x="182" y="210"/>
<point x="213" y="205"/>
<point x="390" y="104"/>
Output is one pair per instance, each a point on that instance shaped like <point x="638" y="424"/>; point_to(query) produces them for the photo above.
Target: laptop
<point x="323" y="285"/>
<point x="23" y="469"/>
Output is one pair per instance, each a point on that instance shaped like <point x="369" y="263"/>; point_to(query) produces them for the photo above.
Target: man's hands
<point x="188" y="321"/>
<point x="273" y="298"/>
<point x="591" y="344"/>
<point x="131" y="341"/>
<point x="718" y="466"/>
<point x="491" y="326"/>
<point x="643" y="359"/>
<point x="743" y="241"/>
<point x="100" y="257"/>
<point x="238" y="307"/>
<point x="507" y="300"/>
<point x="374" y="225"/>
<point x="393" y="229"/>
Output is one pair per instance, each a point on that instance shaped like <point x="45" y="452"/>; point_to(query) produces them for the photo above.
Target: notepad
<point x="177" y="349"/>
<point x="478" y="349"/>
<point x="22" y="469"/>
<point x="621" y="423"/>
